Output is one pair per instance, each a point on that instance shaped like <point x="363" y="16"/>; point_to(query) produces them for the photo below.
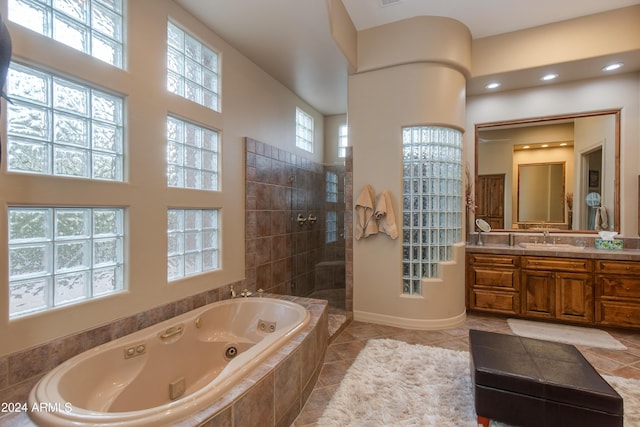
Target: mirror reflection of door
<point x="490" y="200"/>
<point x="592" y="175"/>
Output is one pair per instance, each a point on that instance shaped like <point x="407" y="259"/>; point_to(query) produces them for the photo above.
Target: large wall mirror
<point x="560" y="173"/>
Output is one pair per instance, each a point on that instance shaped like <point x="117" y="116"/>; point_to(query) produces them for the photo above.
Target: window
<point x="331" y="184"/>
<point x="94" y="27"/>
<point x="58" y="256"/>
<point x="192" y="156"/>
<point x="304" y="131"/>
<point x="331" y="227"/>
<point x="192" y="69"/>
<point x="58" y="127"/>
<point x="192" y="242"/>
<point x="431" y="201"/>
<point x="343" y="140"/>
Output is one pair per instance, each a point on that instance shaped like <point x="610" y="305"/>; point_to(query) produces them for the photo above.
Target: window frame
<point x="304" y="131"/>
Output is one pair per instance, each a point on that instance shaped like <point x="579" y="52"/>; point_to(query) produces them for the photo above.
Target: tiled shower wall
<point x="281" y="256"/>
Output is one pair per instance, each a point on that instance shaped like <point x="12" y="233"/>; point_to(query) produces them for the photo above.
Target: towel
<point x="385" y="217"/>
<point x="602" y="220"/>
<point x="365" y="224"/>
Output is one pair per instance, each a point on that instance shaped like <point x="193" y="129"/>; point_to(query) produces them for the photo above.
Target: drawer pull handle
<point x="627" y="289"/>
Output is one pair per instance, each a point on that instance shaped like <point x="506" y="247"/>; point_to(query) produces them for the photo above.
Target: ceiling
<point x="291" y="40"/>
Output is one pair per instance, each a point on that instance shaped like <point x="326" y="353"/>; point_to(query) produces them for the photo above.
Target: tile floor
<point x="347" y="344"/>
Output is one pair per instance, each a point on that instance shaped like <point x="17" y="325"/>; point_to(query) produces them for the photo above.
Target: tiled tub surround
<point x="272" y="394"/>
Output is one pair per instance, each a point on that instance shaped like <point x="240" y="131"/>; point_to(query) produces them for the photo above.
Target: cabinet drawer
<point x="501" y="260"/>
<point x="494" y="278"/>
<point x="504" y="302"/>
<point x="617" y="314"/>
<point x="617" y="267"/>
<point x="618" y="286"/>
<point x="557" y="264"/>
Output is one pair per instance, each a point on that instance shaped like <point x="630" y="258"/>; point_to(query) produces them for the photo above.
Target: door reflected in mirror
<point x="586" y="144"/>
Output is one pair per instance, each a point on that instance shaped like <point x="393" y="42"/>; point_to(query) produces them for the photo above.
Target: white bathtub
<point x="166" y="372"/>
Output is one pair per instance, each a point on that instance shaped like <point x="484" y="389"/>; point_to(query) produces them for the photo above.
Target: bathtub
<point x="169" y="371"/>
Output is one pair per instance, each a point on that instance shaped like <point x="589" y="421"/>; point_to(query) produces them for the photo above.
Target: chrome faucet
<point x="232" y="292"/>
<point x="545" y="235"/>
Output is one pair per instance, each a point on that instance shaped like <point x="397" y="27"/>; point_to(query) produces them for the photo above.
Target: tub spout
<point x="232" y="292"/>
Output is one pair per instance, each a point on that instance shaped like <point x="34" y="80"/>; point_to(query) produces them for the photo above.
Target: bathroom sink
<point x="551" y="246"/>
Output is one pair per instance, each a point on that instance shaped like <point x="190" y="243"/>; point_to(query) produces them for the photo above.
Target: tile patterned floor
<point x="345" y="348"/>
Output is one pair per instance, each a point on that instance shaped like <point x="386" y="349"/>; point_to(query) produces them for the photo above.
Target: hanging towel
<point x="384" y="215"/>
<point x="366" y="223"/>
<point x="602" y="220"/>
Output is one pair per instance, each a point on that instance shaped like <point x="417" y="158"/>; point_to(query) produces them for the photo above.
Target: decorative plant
<point x="569" y="199"/>
<point x="468" y="192"/>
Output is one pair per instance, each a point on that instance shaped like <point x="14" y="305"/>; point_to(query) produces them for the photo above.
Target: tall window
<point x="192" y="68"/>
<point x="343" y="140"/>
<point x="192" y="236"/>
<point x="94" y="27"/>
<point x="431" y="201"/>
<point x="192" y="155"/>
<point x="59" y="127"/>
<point x="304" y="131"/>
<point x="59" y="256"/>
<point x="331" y="184"/>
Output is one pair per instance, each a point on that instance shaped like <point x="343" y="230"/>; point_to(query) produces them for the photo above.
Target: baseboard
<point x="402" y="322"/>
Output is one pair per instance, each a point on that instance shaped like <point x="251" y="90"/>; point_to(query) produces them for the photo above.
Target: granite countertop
<point x="588" y="252"/>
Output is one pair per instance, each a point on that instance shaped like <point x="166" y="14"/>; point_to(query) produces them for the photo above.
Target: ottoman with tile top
<point x="529" y="382"/>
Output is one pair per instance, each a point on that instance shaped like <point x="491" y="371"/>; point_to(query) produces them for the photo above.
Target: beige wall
<point x="392" y="91"/>
<point x="253" y="104"/>
<point x="621" y="91"/>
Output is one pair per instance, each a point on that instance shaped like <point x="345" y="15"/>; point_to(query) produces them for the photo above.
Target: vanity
<point x="547" y="184"/>
<point x="562" y="283"/>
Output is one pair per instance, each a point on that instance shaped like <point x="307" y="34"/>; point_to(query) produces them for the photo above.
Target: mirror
<point x="483" y="225"/>
<point x="541" y="196"/>
<point x="586" y="145"/>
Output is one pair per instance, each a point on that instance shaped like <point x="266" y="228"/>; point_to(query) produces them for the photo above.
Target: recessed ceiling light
<point x="613" y="66"/>
<point x="550" y="76"/>
<point x="492" y="85"/>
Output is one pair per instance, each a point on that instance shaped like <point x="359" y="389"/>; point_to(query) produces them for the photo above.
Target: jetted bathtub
<point x="168" y="371"/>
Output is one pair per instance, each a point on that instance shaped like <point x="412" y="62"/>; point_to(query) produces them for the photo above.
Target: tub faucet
<point x="232" y="292"/>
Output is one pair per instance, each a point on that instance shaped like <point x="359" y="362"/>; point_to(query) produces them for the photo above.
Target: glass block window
<point x="343" y="140"/>
<point x="192" y="68"/>
<point x="304" y="131"/>
<point x="331" y="227"/>
<point x="59" y="127"/>
<point x="94" y="27"/>
<point x="331" y="184"/>
<point x="431" y="201"/>
<point x="192" y="242"/>
<point x="59" y="256"/>
<point x="192" y="155"/>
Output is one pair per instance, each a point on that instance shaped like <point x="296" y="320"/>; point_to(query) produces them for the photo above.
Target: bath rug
<point x="576" y="335"/>
<point x="392" y="383"/>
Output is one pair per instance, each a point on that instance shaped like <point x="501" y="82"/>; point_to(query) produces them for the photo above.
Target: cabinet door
<point x="574" y="297"/>
<point x="538" y="293"/>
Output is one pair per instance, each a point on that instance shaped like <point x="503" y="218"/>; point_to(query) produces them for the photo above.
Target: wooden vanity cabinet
<point x="493" y="283"/>
<point x="557" y="288"/>
<point x="617" y="293"/>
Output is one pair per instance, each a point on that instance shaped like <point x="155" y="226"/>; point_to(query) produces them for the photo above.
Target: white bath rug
<point x="575" y="335"/>
<point x="392" y="383"/>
